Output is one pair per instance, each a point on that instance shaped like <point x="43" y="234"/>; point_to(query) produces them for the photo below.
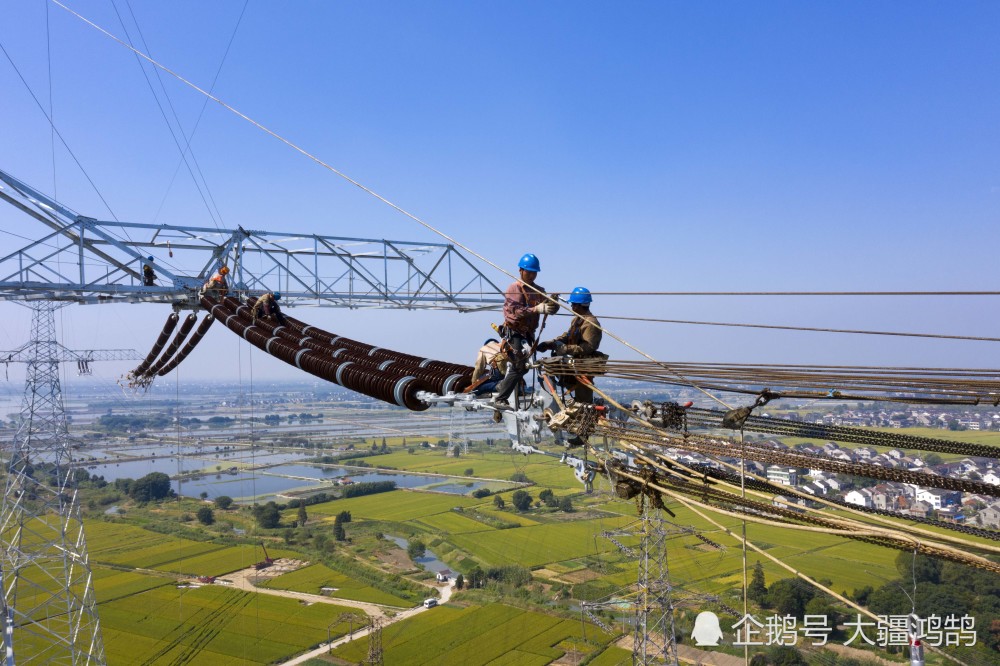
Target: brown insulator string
<point x="199" y="333"/>
<point x="175" y="344"/>
<point x="168" y="328"/>
<point x="390" y="385"/>
<point x="441" y="376"/>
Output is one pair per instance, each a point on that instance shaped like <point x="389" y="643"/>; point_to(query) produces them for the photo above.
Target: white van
<point x="430" y="603"/>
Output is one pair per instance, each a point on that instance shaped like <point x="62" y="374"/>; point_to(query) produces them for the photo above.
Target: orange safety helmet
<point x="224" y="270"/>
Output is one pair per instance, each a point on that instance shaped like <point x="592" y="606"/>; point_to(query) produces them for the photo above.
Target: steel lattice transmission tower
<point x="650" y="599"/>
<point x="49" y="609"/>
<point x="375" y="643"/>
<point x="654" y="637"/>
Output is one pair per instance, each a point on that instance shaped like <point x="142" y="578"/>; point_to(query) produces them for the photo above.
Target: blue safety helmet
<point x="277" y="295"/>
<point x="581" y="296"/>
<point x="529" y="262"/>
<point x="150" y="257"/>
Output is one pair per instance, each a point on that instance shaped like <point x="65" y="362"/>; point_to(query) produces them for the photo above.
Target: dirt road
<point x="444" y="591"/>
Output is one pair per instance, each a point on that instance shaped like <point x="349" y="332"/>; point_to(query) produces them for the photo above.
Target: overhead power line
<point x="936" y="336"/>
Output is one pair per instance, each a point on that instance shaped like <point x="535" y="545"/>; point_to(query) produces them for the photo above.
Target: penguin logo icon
<point x="706" y="630"/>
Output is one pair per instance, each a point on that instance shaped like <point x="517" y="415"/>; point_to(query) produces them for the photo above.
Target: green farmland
<point x="212" y="625"/>
<point x="476" y="636"/>
<point x="398" y="506"/>
<point x="313" y="578"/>
<point x="147" y="618"/>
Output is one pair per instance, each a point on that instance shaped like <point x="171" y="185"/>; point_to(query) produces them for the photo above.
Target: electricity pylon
<point x="375" y="643"/>
<point x="49" y="609"/>
<point x="653" y="637"/>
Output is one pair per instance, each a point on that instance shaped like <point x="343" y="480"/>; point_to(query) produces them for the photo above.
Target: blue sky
<point x="641" y="146"/>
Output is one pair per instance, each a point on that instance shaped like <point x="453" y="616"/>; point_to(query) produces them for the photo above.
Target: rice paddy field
<point x="212" y="625"/>
<point x="313" y="578"/>
<point x="476" y="636"/>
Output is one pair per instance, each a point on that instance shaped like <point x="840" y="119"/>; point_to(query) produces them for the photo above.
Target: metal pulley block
<point x="577" y="418"/>
<point x="673" y="416"/>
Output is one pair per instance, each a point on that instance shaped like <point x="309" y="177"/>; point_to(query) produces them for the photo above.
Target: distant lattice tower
<point x="49" y="610"/>
<point x="375" y="643"/>
<point x="654" y="637"/>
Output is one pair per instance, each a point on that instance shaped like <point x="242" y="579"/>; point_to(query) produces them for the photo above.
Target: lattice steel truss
<point x="92" y="261"/>
<point x="49" y="610"/>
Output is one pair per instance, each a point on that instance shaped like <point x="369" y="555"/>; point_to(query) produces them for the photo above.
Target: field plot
<point x="212" y="625"/>
<point x="490" y="465"/>
<point x="224" y="560"/>
<point x="508" y="516"/>
<point x="313" y="578"/>
<point x="397" y="506"/>
<point x="126" y="545"/>
<point x="110" y="584"/>
<point x="452" y="523"/>
<point x="478" y="636"/>
<point x="554" y="476"/>
<point x="818" y="555"/>
<point x="613" y="656"/>
<point x="435" y="461"/>
<point x="539" y="544"/>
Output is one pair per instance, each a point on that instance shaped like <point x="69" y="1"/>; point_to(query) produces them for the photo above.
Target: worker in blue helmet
<point x="266" y="307"/>
<point x="582" y="340"/>
<point x="523" y="305"/>
<point x="148" y="276"/>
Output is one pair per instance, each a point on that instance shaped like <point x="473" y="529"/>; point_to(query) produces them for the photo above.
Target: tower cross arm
<point x="29" y="354"/>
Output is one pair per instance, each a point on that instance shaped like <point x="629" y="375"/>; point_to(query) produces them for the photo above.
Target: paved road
<point x="444" y="590"/>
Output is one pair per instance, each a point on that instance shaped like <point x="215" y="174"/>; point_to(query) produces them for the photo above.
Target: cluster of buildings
<point x="931" y="417"/>
<point x="906" y="498"/>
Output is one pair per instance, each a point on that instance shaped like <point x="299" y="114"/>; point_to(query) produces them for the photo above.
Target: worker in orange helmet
<point x="217" y="285"/>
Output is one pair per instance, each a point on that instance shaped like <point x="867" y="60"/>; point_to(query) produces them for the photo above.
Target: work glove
<point x="545" y="307"/>
<point x="545" y="346"/>
<point x="558" y="347"/>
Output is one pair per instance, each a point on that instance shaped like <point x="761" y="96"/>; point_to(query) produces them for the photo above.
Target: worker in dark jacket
<point x="582" y="340"/>
<point x="148" y="276"/>
<point x="524" y="301"/>
<point x="267" y="308"/>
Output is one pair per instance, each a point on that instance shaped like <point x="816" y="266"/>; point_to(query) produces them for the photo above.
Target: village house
<point x="938" y="498"/>
<point x="865" y="453"/>
<point x="861" y="497"/>
<point x="919" y="509"/>
<point x="786" y="476"/>
<point x="990" y="516"/>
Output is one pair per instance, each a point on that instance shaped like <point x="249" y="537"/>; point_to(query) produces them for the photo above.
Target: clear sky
<point x="640" y="146"/>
